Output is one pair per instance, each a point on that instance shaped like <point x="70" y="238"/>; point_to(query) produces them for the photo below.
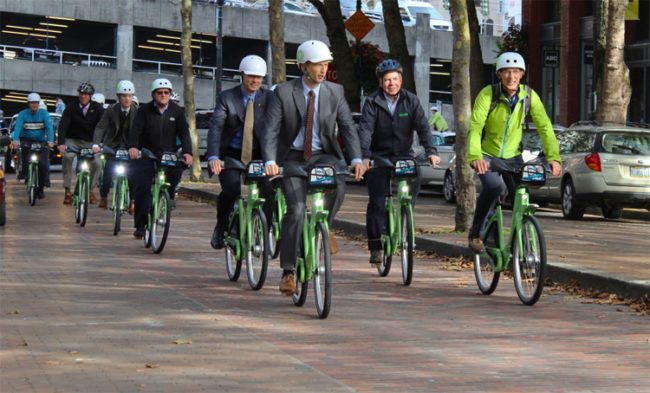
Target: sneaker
<point x="287" y="286"/>
<point x="67" y="200"/>
<point x="138" y="233"/>
<point x="375" y="257"/>
<point x="92" y="198"/>
<point x="103" y="203"/>
<point x="476" y="245"/>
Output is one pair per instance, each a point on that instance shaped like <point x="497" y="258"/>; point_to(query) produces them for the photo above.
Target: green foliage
<point x="515" y="39"/>
<point x="366" y="59"/>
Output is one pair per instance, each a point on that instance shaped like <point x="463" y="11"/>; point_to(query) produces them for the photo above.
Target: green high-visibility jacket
<point x="503" y="127"/>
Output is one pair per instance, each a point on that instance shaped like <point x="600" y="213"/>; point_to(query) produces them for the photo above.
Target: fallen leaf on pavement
<point x="14" y="312"/>
<point x="152" y="365"/>
<point x="73" y="352"/>
<point x="53" y="362"/>
<point x="182" y="341"/>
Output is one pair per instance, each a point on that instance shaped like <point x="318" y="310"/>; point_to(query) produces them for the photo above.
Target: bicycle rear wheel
<point x="274" y="234"/>
<point x="84" y="195"/>
<point x="257" y="256"/>
<point x="233" y="264"/>
<point x="406" y="245"/>
<point x="160" y="223"/>
<point x="117" y="205"/>
<point x="322" y="275"/>
<point x="32" y="184"/>
<point x="529" y="262"/>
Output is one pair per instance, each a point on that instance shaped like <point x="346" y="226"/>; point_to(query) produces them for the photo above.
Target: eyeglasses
<point x="163" y="92"/>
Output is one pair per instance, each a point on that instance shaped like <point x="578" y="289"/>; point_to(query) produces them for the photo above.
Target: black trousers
<point x="230" y="180"/>
<point x="295" y="193"/>
<point x="144" y="170"/>
<point x="43" y="161"/>
<point x="378" y="181"/>
<point x="109" y="173"/>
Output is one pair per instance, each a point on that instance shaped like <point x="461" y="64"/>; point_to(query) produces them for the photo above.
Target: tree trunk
<point x="612" y="76"/>
<point x="476" y="58"/>
<point x="188" y="94"/>
<point x="330" y="11"/>
<point x="460" y="90"/>
<point x="397" y="42"/>
<point x="276" y="33"/>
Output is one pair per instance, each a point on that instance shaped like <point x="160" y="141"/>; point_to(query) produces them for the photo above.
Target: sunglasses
<point x="163" y="92"/>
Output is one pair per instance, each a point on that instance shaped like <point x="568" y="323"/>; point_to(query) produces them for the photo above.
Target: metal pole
<point x="219" y="16"/>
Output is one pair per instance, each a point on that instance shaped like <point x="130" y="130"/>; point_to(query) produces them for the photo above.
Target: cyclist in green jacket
<point x="497" y="132"/>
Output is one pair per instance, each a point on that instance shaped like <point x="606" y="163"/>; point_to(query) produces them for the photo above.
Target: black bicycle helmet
<point x="86" y="88"/>
<point x="386" y="66"/>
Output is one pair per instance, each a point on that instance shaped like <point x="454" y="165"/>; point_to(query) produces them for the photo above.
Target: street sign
<point x="551" y="58"/>
<point x="359" y="25"/>
<point x="331" y="73"/>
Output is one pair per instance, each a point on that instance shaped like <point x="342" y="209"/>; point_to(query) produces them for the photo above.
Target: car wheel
<point x="612" y="212"/>
<point x="449" y="188"/>
<point x="572" y="209"/>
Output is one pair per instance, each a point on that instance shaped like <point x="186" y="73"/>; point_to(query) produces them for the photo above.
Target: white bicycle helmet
<point x="33" y="97"/>
<point x="125" y="87"/>
<point x="253" y="65"/>
<point x="511" y="60"/>
<point x="313" y="51"/>
<point x="41" y="105"/>
<point x="135" y="99"/>
<point x="175" y="98"/>
<point x="98" y="98"/>
<point x="161" y="83"/>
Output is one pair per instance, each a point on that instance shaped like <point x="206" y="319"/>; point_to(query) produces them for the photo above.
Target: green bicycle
<point x="121" y="196"/>
<point x="32" y="172"/>
<point x="81" y="194"/>
<point x="159" y="218"/>
<point x="248" y="233"/>
<point x="279" y="211"/>
<point x="398" y="238"/>
<point x="526" y="246"/>
<point x="314" y="263"/>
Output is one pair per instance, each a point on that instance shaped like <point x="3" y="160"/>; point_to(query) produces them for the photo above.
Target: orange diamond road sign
<point x="359" y="25"/>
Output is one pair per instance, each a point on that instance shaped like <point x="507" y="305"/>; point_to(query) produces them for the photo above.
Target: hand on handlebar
<point x="272" y="170"/>
<point x="556" y="168"/>
<point x="359" y="169"/>
<point x="188" y="159"/>
<point x="61" y="149"/>
<point x="134" y="153"/>
<point x="481" y="166"/>
<point x="434" y="160"/>
<point x="215" y="166"/>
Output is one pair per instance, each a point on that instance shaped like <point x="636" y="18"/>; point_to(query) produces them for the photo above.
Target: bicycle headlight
<point x="34" y="158"/>
<point x="254" y="192"/>
<point x="318" y="202"/>
<point x="119" y="170"/>
<point x="405" y="189"/>
<point x="162" y="177"/>
<point x="84" y="166"/>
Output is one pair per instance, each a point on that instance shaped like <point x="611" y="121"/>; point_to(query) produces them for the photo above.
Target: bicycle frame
<point x="120" y="178"/>
<point x="316" y="215"/>
<point x="33" y="162"/>
<point x="159" y="185"/>
<point x="282" y="210"/>
<point x="84" y="173"/>
<point x="503" y="251"/>
<point x="244" y="213"/>
<point x="403" y="199"/>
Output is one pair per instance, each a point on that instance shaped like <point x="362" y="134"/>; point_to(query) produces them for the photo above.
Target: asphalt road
<point x="85" y="311"/>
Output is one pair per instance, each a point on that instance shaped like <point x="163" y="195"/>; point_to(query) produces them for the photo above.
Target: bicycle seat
<point x="502" y="166"/>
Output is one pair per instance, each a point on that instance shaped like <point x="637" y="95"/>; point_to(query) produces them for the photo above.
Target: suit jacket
<point x="228" y="118"/>
<point x="108" y="129"/>
<point x="77" y="126"/>
<point x="286" y="115"/>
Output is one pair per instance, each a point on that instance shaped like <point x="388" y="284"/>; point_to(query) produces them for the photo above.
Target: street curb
<point x="556" y="271"/>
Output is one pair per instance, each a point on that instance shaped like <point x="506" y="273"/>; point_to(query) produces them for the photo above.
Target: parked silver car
<point x="606" y="165"/>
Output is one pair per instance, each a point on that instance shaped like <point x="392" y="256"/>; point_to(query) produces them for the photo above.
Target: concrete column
<point x="124" y="44"/>
<point x="422" y="62"/>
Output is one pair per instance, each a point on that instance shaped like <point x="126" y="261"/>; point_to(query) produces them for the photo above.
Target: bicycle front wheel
<point x="233" y="264"/>
<point x="257" y="255"/>
<point x="406" y="246"/>
<point x="84" y="195"/>
<point x="117" y="206"/>
<point x="323" y="271"/>
<point x="31" y="183"/>
<point x="386" y="256"/>
<point x="160" y="223"/>
<point x="274" y="234"/>
<point x="529" y="262"/>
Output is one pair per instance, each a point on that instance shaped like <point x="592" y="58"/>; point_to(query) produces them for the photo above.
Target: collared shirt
<point x="125" y="111"/>
<point x="391" y="105"/>
<point x="236" y="142"/>
<point x="162" y="111"/>
<point x="84" y="109"/>
<point x="299" y="142"/>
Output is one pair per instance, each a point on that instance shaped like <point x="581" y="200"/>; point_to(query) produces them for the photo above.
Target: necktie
<point x="247" y="144"/>
<point x="309" y="125"/>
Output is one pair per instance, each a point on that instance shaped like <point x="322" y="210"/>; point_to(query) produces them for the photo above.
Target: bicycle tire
<point x="75" y="201"/>
<point x="322" y="274"/>
<point x="233" y="264"/>
<point x="83" y="202"/>
<point x="257" y="259"/>
<point x="386" y="257"/>
<point x="160" y="224"/>
<point x="407" y="244"/>
<point x="32" y="184"/>
<point x="486" y="278"/>
<point x="3" y="214"/>
<point x="274" y="234"/>
<point x="529" y="264"/>
<point x="300" y="296"/>
<point x="117" y="206"/>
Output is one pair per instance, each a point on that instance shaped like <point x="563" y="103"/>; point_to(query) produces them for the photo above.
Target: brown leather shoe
<point x="103" y="203"/>
<point x="476" y="245"/>
<point x="67" y="200"/>
<point x="334" y="247"/>
<point x="93" y="198"/>
<point x="132" y="207"/>
<point x="287" y="286"/>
